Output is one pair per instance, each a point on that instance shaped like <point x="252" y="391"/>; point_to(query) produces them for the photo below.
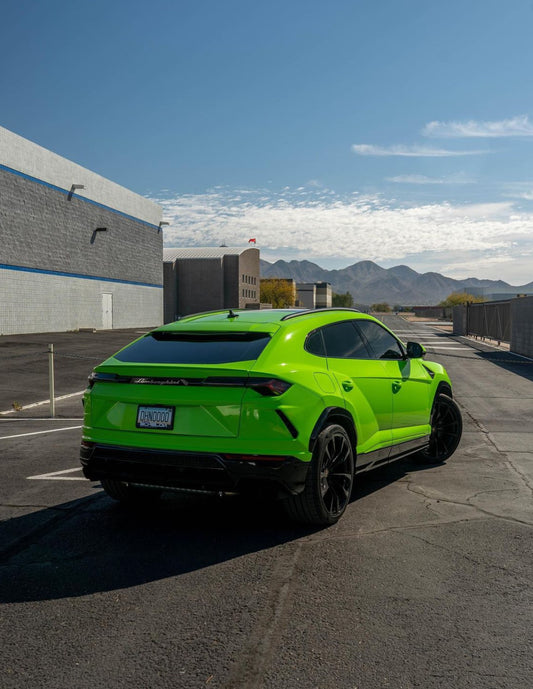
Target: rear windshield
<point x="166" y="347"/>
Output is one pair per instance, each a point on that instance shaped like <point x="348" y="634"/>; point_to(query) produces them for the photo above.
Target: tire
<point x="329" y="481"/>
<point x="446" y="430"/>
<point x="130" y="495"/>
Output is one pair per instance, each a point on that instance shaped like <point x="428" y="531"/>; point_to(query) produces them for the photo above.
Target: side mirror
<point x="415" y="350"/>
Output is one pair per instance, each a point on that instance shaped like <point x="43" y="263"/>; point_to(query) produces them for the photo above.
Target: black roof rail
<point x="306" y="312"/>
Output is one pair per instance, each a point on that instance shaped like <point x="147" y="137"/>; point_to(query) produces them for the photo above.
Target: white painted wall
<point x="37" y="303"/>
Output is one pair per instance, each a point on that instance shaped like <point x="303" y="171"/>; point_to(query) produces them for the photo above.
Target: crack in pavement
<point x="468" y="504"/>
<point x="474" y="561"/>
<point x="250" y="670"/>
<point x="487" y="435"/>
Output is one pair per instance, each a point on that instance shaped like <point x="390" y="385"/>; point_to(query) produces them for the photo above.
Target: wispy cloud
<point x="410" y="151"/>
<point x="519" y="190"/>
<point x="459" y="178"/>
<point x="306" y="223"/>
<point x="515" y="126"/>
<point x="516" y="266"/>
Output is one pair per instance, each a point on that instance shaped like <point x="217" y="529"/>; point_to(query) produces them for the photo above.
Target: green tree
<point x="279" y="292"/>
<point x="458" y="298"/>
<point x="382" y="307"/>
<point x="345" y="299"/>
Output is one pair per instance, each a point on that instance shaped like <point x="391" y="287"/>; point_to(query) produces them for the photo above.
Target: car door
<point x="408" y="380"/>
<point x="365" y="388"/>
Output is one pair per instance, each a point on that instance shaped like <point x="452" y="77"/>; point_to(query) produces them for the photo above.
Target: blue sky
<point x="399" y="131"/>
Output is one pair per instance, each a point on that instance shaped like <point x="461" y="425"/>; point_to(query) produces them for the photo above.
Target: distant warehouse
<point x="76" y="250"/>
<point x="210" y="278"/>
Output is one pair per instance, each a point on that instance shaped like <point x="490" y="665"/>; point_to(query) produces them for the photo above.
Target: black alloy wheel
<point x="446" y="430"/>
<point x="329" y="481"/>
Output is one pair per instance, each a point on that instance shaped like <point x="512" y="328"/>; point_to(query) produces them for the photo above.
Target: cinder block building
<point x="314" y="295"/>
<point x="209" y="278"/>
<point x="76" y="250"/>
<point x="306" y="295"/>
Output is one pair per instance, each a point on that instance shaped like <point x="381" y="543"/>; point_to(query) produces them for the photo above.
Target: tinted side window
<point x="315" y="344"/>
<point x="383" y="345"/>
<point x="343" y="341"/>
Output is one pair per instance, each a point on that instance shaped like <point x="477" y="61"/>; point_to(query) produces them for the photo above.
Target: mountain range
<point x="369" y="283"/>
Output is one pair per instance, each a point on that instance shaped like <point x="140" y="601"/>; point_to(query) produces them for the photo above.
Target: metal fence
<point x="509" y="320"/>
<point x="489" y="319"/>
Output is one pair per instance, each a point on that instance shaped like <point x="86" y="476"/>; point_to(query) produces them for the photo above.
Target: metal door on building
<point x="107" y="311"/>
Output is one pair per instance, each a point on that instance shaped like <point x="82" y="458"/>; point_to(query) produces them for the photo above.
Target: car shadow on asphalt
<point x="510" y="362"/>
<point x="95" y="545"/>
<point x="513" y="363"/>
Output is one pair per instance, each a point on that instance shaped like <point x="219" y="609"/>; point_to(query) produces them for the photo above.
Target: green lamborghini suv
<point x="290" y="404"/>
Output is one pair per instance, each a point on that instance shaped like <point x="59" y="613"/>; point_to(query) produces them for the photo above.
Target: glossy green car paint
<point x="385" y="405"/>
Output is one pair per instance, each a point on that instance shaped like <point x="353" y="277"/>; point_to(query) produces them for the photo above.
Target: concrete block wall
<point x="324" y="295"/>
<point x="42" y="228"/>
<point x="200" y="285"/>
<point x="170" y="292"/>
<point x="459" y="320"/>
<point x="53" y="265"/>
<point x="522" y="326"/>
<point x="20" y="154"/>
<point x="245" y="291"/>
<point x="37" y="302"/>
<point x="306" y="295"/>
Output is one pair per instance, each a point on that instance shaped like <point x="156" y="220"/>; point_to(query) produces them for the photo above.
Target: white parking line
<point x="38" y="404"/>
<point x="31" y="418"/>
<point x="445" y="348"/>
<point x="56" y="476"/>
<point x="51" y="430"/>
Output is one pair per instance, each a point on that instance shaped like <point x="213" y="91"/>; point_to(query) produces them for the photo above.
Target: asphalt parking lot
<point x="425" y="582"/>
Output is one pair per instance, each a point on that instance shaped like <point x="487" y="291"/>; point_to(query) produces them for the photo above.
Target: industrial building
<point x="76" y="250"/>
<point x="303" y="295"/>
<point x="209" y="278"/>
<point x="313" y="295"/>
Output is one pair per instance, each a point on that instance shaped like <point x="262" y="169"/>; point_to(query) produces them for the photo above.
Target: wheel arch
<point x="332" y="415"/>
<point x="444" y="388"/>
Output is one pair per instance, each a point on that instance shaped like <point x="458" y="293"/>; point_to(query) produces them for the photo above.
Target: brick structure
<point x="76" y="250"/>
<point x="209" y="278"/>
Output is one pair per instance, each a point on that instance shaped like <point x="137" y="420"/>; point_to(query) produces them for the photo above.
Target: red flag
<point x="251" y="241"/>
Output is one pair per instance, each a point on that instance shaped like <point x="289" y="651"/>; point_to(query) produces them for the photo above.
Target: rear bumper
<point x="203" y="471"/>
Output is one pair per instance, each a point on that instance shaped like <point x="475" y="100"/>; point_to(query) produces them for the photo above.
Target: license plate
<point x="161" y="418"/>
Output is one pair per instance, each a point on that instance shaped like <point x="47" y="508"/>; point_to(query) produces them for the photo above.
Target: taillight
<point x="96" y="377"/>
<point x="269" y="387"/>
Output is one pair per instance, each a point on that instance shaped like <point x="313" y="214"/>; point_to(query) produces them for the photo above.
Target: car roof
<point x="252" y="319"/>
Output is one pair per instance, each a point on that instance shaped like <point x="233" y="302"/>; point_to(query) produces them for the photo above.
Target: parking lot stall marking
<point x="49" y="430"/>
<point x="57" y="476"/>
<point x="446" y="347"/>
<point x="31" y="419"/>
<point x="38" y="404"/>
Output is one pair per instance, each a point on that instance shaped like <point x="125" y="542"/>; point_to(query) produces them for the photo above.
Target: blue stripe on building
<point x="70" y="194"/>
<point x="58" y="273"/>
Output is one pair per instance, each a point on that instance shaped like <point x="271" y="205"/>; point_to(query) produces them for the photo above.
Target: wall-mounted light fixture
<point x="163" y="222"/>
<point x="73" y="189"/>
<point x="98" y="229"/>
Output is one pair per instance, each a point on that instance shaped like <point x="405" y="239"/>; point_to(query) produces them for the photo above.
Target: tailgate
<point x="180" y="401"/>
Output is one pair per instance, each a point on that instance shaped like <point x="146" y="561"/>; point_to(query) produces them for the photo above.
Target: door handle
<point x="347" y="385"/>
<point x="396" y="386"/>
